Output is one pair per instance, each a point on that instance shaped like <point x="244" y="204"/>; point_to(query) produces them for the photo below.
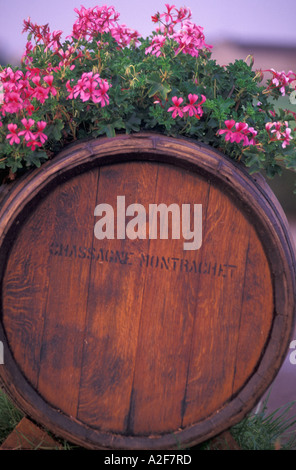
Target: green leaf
<point x="57" y="130"/>
<point x="14" y="164"/>
<point x="54" y="131"/>
<point x="35" y="158"/>
<point x="109" y="129"/>
<point x="158" y="88"/>
<point x="133" y="124"/>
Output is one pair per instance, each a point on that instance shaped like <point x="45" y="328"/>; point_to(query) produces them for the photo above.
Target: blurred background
<point x="264" y="29"/>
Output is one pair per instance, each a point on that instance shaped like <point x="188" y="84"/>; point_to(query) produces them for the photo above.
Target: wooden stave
<point x="270" y="220"/>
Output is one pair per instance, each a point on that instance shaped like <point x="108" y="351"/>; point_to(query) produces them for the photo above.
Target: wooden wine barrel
<point x="138" y="342"/>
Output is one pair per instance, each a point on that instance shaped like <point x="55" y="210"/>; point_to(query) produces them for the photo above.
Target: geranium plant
<point x="104" y="78"/>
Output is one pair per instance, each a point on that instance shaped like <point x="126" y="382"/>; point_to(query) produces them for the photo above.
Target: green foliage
<point x="262" y="431"/>
<point x="142" y="86"/>
<point x="9" y="416"/>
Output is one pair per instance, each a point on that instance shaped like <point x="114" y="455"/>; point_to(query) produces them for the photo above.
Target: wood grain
<point x="140" y="343"/>
<point x="114" y="302"/>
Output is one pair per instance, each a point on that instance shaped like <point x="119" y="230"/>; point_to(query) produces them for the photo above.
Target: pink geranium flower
<point x="287" y="137"/>
<point x="13" y="102"/>
<point x="124" y="35"/>
<point x="53" y="40"/>
<point x="176" y="110"/>
<point x="172" y="16"/>
<point x="281" y="80"/>
<point x="241" y="129"/>
<point x="239" y="132"/>
<point x="193" y="108"/>
<point x="13" y="136"/>
<point x="253" y="132"/>
<point x="102" y="19"/>
<point x="168" y="15"/>
<point x="228" y="131"/>
<point x="190" y="39"/>
<point x="70" y="90"/>
<point x="49" y="80"/>
<point x="90" y="87"/>
<point x="33" y="144"/>
<point x="40" y="93"/>
<point x="41" y="125"/>
<point x="27" y="133"/>
<point x="156" y="45"/>
<point x="101" y="95"/>
<point x="279" y="131"/>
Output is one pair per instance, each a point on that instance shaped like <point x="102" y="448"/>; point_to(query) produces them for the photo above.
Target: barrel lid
<point x="143" y="342"/>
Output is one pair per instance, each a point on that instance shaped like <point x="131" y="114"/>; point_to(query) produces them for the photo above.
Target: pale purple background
<point x="261" y="21"/>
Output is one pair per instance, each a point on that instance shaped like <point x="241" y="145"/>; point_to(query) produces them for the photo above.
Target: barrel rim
<point x="256" y="197"/>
